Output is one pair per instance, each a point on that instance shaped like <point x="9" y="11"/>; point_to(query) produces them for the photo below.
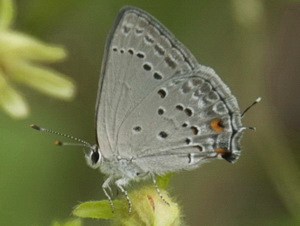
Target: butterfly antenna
<point x="250" y="106"/>
<point x="246" y="127"/>
<point x="81" y="142"/>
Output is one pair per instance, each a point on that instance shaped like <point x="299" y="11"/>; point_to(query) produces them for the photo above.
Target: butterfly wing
<point x="157" y="105"/>
<point x="140" y="54"/>
<point x="182" y="123"/>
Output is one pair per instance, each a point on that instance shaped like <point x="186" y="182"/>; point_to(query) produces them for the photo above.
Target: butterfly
<point x="158" y="110"/>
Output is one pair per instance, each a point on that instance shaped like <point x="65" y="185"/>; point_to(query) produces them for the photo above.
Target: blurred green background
<point x="253" y="45"/>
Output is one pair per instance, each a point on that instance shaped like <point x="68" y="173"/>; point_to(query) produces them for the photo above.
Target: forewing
<point x="141" y="54"/>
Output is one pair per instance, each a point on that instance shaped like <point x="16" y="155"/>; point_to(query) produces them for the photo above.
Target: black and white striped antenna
<point x="81" y="142"/>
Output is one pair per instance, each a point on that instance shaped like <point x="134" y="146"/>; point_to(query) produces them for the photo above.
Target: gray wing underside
<point x="136" y="42"/>
<point x="155" y="102"/>
<point x="171" y="129"/>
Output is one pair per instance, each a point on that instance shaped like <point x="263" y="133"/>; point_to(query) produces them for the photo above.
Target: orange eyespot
<point x="217" y="125"/>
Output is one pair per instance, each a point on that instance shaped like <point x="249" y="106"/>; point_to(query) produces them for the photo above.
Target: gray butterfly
<point x="158" y="110"/>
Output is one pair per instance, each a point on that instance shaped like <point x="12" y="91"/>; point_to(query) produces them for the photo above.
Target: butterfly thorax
<point x="120" y="167"/>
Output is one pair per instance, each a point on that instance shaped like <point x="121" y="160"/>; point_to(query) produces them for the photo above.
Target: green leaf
<point x="73" y="222"/>
<point x="99" y="209"/>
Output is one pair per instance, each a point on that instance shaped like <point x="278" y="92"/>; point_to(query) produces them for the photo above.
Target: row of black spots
<point x="130" y="51"/>
<point x="194" y="129"/>
<point x="188" y="111"/>
<point x="146" y="66"/>
<point x="156" y="75"/>
<point x="161" y="52"/>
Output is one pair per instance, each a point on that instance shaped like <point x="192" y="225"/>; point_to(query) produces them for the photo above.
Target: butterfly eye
<point x="94" y="158"/>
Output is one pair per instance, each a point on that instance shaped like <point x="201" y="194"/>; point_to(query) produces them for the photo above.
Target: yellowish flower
<point x="18" y="54"/>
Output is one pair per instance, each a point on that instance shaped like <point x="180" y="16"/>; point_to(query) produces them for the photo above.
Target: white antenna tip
<point x="258" y="100"/>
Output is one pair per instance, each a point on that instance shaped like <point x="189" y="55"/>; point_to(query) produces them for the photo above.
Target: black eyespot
<point x="122" y="51"/>
<point x="187" y="140"/>
<point x="95" y="157"/>
<point x="147" y="67"/>
<point x="140" y="55"/>
<point x="130" y="51"/>
<point x="199" y="148"/>
<point x="194" y="130"/>
<point x="188" y="112"/>
<point x="157" y="76"/>
<point x="179" y="107"/>
<point x="115" y="49"/>
<point x="161" y="111"/>
<point x="137" y="129"/>
<point x="163" y="134"/>
<point x="228" y="156"/>
<point x="184" y="125"/>
<point x="162" y="93"/>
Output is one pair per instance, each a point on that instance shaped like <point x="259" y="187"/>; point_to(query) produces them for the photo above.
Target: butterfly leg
<point x="120" y="183"/>
<point x="106" y="186"/>
<point x="158" y="190"/>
